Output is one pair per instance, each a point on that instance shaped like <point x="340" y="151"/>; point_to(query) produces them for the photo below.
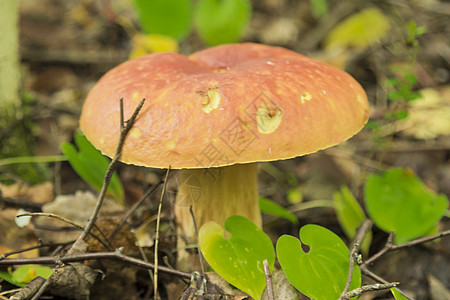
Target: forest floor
<point x="66" y="46"/>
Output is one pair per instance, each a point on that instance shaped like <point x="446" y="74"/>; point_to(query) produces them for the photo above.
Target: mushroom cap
<point x="225" y="105"/>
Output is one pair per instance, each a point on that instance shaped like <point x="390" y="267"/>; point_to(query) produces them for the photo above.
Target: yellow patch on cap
<point x="211" y="100"/>
<point x="304" y="97"/>
<point x="268" y="118"/>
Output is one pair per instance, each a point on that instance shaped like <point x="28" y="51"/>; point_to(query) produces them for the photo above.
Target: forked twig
<point x="109" y="172"/>
<point x="53" y="260"/>
<point x="362" y="231"/>
<point x="155" y="273"/>
<point x="269" y="286"/>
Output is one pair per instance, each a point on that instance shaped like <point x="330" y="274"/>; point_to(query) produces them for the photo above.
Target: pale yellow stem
<point x="216" y="194"/>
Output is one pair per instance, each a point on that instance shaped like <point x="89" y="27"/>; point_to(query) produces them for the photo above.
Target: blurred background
<point x="398" y="50"/>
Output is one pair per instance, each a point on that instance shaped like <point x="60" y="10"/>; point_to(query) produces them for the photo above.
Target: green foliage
<point x="222" y="21"/>
<point x="401" y="86"/>
<point x="397" y="295"/>
<point x="24" y="274"/>
<point x="16" y="140"/>
<point x="217" y="21"/>
<point x="320" y="272"/>
<point x="398" y="201"/>
<point x="91" y="165"/>
<point x="167" y="17"/>
<point x="358" y="31"/>
<point x="239" y="258"/>
<point x="319" y="8"/>
<point x="350" y="215"/>
<point x="413" y="32"/>
<point x="269" y="207"/>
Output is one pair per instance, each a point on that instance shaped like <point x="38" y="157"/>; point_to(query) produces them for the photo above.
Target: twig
<point x="374" y="276"/>
<point x="49" y="260"/>
<point x="50" y="215"/>
<point x="269" y="286"/>
<point x="353" y="252"/>
<point x="368" y="288"/>
<point x="30" y="289"/>
<point x="361" y="233"/>
<point x="45" y="285"/>
<point x="386" y="248"/>
<point x="106" y="244"/>
<point x="19" y="203"/>
<point x="39" y="245"/>
<point x="133" y="209"/>
<point x="109" y="172"/>
<point x="200" y="256"/>
<point x="390" y="246"/>
<point x="158" y="219"/>
<point x="10" y="292"/>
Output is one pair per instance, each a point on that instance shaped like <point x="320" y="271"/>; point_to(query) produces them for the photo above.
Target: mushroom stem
<point x="216" y="194"/>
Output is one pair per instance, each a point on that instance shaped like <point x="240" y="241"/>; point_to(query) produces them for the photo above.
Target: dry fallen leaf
<point x="39" y="193"/>
<point x="14" y="238"/>
<point x="429" y="116"/>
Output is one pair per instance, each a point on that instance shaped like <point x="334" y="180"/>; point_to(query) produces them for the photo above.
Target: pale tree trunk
<point x="9" y="58"/>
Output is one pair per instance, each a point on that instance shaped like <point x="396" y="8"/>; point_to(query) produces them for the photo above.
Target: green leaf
<point x="372" y="125"/>
<point x="269" y="207"/>
<point x="350" y="215"/>
<point x="319" y="8"/>
<point x="91" y="165"/>
<point x="166" y="17"/>
<point x="358" y="31"/>
<point x="239" y="258"/>
<point x="222" y="21"/>
<point x="295" y="196"/>
<point x="24" y="274"/>
<point x="397" y="295"/>
<point x="398" y="201"/>
<point x="321" y="271"/>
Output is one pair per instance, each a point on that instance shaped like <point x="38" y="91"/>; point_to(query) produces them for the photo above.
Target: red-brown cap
<point x="229" y="104"/>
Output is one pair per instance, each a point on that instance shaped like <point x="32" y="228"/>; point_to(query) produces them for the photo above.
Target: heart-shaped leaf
<point x="91" y="165"/>
<point x="24" y="274"/>
<point x="222" y="21"/>
<point x="318" y="264"/>
<point x="398" y="201"/>
<point x="239" y="258"/>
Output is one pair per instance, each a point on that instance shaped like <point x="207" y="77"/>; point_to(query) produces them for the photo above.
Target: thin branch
<point x="39" y="245"/>
<point x="390" y="246"/>
<point x="158" y="219"/>
<point x="45" y="285"/>
<point x="386" y="248"/>
<point x="50" y="215"/>
<point x="200" y="255"/>
<point x="109" y="172"/>
<point x="50" y="260"/>
<point x="269" y="285"/>
<point x="133" y="209"/>
<point x="368" y="288"/>
<point x="374" y="276"/>
<point x="29" y="290"/>
<point x="361" y="233"/>
<point x="68" y="221"/>
<point x="19" y="203"/>
<point x="353" y="252"/>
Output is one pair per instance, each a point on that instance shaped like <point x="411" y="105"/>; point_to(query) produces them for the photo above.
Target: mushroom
<point x="216" y="113"/>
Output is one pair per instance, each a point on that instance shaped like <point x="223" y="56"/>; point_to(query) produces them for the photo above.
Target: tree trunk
<point x="9" y="58"/>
